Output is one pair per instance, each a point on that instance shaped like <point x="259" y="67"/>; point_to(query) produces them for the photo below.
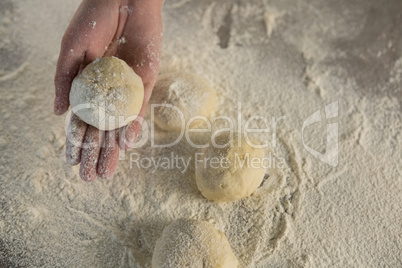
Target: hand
<point x="128" y="29"/>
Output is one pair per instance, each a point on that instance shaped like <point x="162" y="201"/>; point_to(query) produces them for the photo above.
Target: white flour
<point x="277" y="58"/>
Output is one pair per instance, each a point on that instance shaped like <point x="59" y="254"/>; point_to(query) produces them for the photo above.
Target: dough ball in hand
<point x="178" y="97"/>
<point x="229" y="171"/>
<point x="108" y="94"/>
<point x="193" y="244"/>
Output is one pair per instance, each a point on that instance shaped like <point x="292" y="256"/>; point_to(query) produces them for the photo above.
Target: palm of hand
<point x="129" y="30"/>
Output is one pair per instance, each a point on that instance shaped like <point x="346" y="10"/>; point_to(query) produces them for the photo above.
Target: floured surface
<point x="278" y="58"/>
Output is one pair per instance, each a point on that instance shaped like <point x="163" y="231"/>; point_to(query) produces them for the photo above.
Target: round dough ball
<point x="189" y="94"/>
<point x="108" y="94"/>
<point x="193" y="244"/>
<point x="232" y="175"/>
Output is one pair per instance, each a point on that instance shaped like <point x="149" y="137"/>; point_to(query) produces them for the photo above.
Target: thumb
<point x="89" y="32"/>
<point x="68" y="66"/>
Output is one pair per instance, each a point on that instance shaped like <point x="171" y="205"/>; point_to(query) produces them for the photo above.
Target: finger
<point x="142" y="53"/>
<point x="131" y="131"/>
<point x="74" y="138"/>
<point x="109" y="155"/>
<point x="90" y="153"/>
<point x="129" y="135"/>
<point x="67" y="68"/>
<point x="143" y="41"/>
<point x="141" y="50"/>
<point x="116" y="41"/>
<point x="86" y="38"/>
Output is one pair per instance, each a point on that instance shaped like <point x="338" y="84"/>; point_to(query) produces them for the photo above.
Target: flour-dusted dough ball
<point x="232" y="172"/>
<point x="108" y="94"/>
<point x="193" y="244"/>
<point x="177" y="97"/>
